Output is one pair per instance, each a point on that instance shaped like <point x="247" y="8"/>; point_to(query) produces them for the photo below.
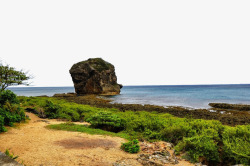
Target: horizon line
<point x="140" y="85"/>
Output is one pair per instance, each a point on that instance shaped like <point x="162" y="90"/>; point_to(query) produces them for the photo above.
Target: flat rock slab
<point x="7" y="161"/>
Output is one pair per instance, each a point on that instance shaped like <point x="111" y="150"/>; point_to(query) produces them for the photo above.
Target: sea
<point x="193" y="96"/>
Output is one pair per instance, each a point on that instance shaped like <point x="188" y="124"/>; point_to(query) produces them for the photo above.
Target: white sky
<point x="149" y="42"/>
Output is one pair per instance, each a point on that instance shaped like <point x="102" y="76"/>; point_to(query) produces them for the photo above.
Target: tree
<point x="10" y="76"/>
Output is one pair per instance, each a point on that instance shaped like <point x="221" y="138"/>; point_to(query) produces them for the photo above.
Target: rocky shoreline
<point x="226" y="116"/>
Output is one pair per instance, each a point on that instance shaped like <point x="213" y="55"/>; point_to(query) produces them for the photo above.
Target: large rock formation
<point x="95" y="76"/>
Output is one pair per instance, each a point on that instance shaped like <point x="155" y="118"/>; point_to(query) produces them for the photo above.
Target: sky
<point x="156" y="42"/>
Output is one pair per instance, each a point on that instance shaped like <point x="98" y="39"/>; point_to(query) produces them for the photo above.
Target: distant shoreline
<point x="227" y="117"/>
<point x="191" y="96"/>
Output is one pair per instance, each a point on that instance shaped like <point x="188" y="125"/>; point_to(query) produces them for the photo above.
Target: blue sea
<point x="194" y="96"/>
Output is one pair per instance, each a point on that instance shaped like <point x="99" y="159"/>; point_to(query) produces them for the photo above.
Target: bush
<point x="12" y="113"/>
<point x="51" y="109"/>
<point x="2" y="128"/>
<point x="131" y="146"/>
<point x="69" y="114"/>
<point x="8" y="96"/>
<point x="199" y="147"/>
<point x="174" y="134"/>
<point x="177" y="128"/>
<point x="106" y="121"/>
<point x="143" y="124"/>
<point x="236" y="142"/>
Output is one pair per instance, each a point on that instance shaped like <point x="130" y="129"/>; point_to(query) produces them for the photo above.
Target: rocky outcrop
<point x="95" y="76"/>
<point x="7" y="161"/>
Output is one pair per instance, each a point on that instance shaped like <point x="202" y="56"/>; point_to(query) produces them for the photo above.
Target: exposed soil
<point x="227" y="117"/>
<point x="86" y="143"/>
<point x="38" y="146"/>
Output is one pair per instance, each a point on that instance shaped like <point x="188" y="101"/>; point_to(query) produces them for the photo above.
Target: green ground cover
<point x="197" y="139"/>
<point x="10" y="110"/>
<point x="85" y="129"/>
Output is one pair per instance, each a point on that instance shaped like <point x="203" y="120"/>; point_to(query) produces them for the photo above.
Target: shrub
<point x="131" y="146"/>
<point x="106" y="121"/>
<point x="10" y="110"/>
<point x="175" y="133"/>
<point x="8" y="96"/>
<point x="200" y="146"/>
<point x="51" y="109"/>
<point x="2" y="128"/>
<point x="143" y="121"/>
<point x="69" y="114"/>
<point x="12" y="113"/>
<point x="236" y="142"/>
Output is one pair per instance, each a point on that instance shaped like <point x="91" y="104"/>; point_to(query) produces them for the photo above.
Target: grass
<point x="86" y="129"/>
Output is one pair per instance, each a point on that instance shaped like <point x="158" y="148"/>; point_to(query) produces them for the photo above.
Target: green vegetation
<point x="2" y="128"/>
<point x="10" y="76"/>
<point x="106" y="121"/>
<point x="7" y="152"/>
<point x="206" y="140"/>
<point x="131" y="146"/>
<point x="85" y="129"/>
<point x="10" y="110"/>
<point x="236" y="142"/>
<point x="99" y="64"/>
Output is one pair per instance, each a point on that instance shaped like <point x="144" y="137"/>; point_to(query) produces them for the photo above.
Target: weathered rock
<point x="7" y="161"/>
<point x="156" y="154"/>
<point x="95" y="76"/>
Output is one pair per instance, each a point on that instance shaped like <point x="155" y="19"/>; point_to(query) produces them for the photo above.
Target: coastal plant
<point x="177" y="128"/>
<point x="10" y="110"/>
<point x="11" y="117"/>
<point x="142" y="121"/>
<point x="2" y="128"/>
<point x="106" y="121"/>
<point x="7" y="152"/>
<point x="131" y="146"/>
<point x="199" y="148"/>
<point x="51" y="109"/>
<point x="69" y="114"/>
<point x="174" y="133"/>
<point x="236" y="141"/>
<point x="8" y="96"/>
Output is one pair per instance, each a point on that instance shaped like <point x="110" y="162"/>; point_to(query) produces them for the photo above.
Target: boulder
<point x="95" y="76"/>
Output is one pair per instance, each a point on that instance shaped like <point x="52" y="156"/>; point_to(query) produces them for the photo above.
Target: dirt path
<point x="38" y="146"/>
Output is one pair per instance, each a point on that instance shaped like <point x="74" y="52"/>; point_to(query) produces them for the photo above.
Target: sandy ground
<point x="38" y="146"/>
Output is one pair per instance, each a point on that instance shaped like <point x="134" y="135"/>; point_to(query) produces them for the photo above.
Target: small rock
<point x="7" y="161"/>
